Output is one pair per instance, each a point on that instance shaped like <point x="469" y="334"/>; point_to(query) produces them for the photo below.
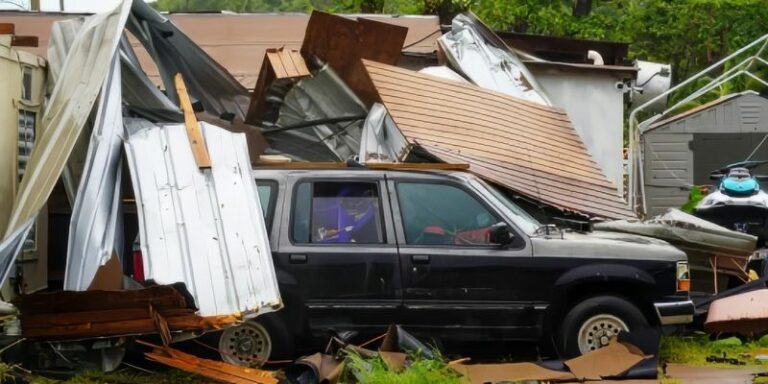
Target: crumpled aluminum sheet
<point x="81" y="77"/>
<point x="174" y="52"/>
<point x="488" y="66"/>
<point x="323" y="96"/>
<point x="382" y="141"/>
<point x="203" y="227"/>
<point x="96" y="228"/>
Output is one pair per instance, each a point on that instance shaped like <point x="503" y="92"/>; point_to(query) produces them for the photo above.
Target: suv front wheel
<point x="592" y="323"/>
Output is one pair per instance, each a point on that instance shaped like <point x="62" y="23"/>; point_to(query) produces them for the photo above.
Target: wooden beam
<point x="25" y="41"/>
<point x="7" y="28"/>
<point x="196" y="140"/>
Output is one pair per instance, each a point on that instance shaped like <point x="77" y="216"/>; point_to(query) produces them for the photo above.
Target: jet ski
<point x="738" y="202"/>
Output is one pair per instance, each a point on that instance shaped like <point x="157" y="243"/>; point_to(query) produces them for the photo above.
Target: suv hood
<point x="604" y="244"/>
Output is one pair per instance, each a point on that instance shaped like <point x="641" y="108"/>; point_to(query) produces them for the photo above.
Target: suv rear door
<point x="452" y="275"/>
<point x="337" y="251"/>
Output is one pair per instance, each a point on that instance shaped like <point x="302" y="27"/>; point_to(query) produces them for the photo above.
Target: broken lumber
<point x="81" y="315"/>
<point x="196" y="140"/>
<point x="215" y="370"/>
<point x="278" y="64"/>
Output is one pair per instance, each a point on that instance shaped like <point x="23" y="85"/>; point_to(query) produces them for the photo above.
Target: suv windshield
<point x="522" y="218"/>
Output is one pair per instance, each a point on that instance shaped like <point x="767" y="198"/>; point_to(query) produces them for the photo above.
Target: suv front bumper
<point x="675" y="312"/>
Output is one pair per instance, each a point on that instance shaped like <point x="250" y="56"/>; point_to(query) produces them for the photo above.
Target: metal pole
<point x="35" y="5"/>
<point x="61" y="5"/>
<point x="633" y="123"/>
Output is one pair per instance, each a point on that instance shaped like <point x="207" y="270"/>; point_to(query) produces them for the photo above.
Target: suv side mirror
<point x="501" y="235"/>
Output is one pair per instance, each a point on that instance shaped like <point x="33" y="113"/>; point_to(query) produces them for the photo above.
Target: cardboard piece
<point x="109" y="277"/>
<point x="395" y="361"/>
<point x="328" y="369"/>
<point x="491" y="373"/>
<point x="609" y="361"/>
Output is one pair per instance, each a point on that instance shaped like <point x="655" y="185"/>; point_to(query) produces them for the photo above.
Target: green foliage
<point x="694" y="198"/>
<point x="374" y="371"/>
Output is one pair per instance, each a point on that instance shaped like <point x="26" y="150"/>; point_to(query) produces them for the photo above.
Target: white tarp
<point x="96" y="225"/>
<point x="468" y="49"/>
<point x="201" y="227"/>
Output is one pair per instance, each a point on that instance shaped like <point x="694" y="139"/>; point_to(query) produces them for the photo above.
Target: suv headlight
<point x="683" y="277"/>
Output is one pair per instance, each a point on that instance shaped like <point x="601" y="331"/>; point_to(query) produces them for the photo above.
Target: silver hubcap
<point x="598" y="331"/>
<point x="247" y="345"/>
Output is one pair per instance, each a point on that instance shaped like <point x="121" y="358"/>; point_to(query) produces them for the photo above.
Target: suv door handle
<point x="420" y="259"/>
<point x="297" y="259"/>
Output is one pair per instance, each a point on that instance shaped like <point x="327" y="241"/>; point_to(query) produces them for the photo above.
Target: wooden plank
<point x="216" y="370"/>
<point x="549" y="164"/>
<point x="161" y="297"/>
<point x="417" y="166"/>
<point x="196" y="140"/>
<point x="102" y="316"/>
<point x="277" y="64"/>
<point x="578" y="198"/>
<point x="449" y="87"/>
<point x="7" y="28"/>
<point x="25" y="41"/>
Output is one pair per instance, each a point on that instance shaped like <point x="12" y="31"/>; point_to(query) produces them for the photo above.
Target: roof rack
<point x="286" y="163"/>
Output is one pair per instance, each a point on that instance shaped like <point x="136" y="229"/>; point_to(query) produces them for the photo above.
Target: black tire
<point x="591" y="309"/>
<point x="280" y="340"/>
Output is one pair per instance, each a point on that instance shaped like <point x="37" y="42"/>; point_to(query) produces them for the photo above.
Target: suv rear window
<point x="337" y="212"/>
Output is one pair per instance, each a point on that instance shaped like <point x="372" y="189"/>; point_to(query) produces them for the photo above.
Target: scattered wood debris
<point x="71" y="315"/>
<point x="215" y="370"/>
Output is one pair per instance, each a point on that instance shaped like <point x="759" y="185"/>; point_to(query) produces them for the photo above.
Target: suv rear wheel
<point x="592" y="323"/>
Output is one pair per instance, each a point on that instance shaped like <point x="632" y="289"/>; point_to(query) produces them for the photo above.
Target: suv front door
<point x="452" y="275"/>
<point x="338" y="253"/>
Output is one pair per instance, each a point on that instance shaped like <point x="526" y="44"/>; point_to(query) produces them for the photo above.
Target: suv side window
<point x="442" y="214"/>
<point x="267" y="191"/>
<point x="337" y="212"/>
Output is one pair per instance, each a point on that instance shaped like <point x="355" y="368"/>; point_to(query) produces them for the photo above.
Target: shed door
<point x="712" y="151"/>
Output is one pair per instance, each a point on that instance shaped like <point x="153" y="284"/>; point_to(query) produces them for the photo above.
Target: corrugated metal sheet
<point x="527" y="147"/>
<point x="201" y="227"/>
<point x="95" y="230"/>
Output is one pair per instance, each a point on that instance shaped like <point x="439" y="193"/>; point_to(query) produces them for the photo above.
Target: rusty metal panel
<point x="527" y="147"/>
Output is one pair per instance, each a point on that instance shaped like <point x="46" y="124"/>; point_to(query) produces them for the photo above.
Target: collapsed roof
<point x="525" y="146"/>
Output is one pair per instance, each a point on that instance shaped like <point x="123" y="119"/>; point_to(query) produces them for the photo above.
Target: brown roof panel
<point x="529" y="148"/>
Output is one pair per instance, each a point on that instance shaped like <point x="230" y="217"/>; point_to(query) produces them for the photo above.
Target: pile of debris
<point x="203" y="259"/>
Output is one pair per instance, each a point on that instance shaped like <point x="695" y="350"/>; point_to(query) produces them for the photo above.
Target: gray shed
<point x="681" y="151"/>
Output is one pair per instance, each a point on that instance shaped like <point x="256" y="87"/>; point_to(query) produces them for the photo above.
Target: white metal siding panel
<point x="668" y="170"/>
<point x="202" y="227"/>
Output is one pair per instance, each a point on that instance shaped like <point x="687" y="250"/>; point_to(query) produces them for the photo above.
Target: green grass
<point x="132" y="376"/>
<point x="694" y="350"/>
<point x="421" y="371"/>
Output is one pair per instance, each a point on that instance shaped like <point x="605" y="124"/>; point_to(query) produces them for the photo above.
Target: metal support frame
<point x="636" y="193"/>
